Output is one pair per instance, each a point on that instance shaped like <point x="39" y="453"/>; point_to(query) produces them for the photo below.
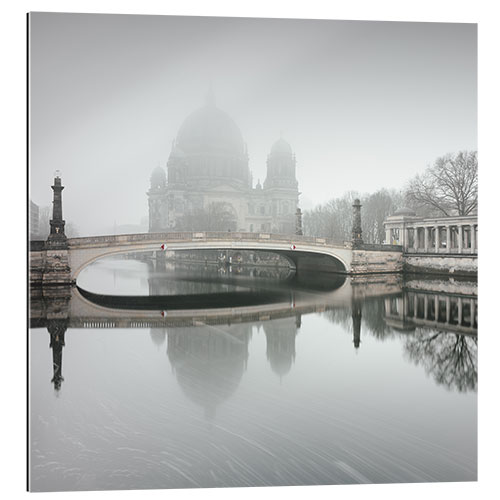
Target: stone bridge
<point x="63" y="265"/>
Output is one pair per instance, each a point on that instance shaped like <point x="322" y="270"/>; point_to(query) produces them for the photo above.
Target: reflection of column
<point x="472" y="239"/>
<point x="161" y="263"/>
<point x="426" y="239"/>
<point x="415" y="305"/>
<point x="460" y="238"/>
<point x="436" y="308"/>
<point x="57" y="329"/>
<point x="425" y="306"/>
<point x="472" y="312"/>
<point x="459" y="303"/>
<point x="448" y="309"/>
<point x="448" y="239"/>
<point x="436" y="238"/>
<point x="356" y="323"/>
<point x="406" y="306"/>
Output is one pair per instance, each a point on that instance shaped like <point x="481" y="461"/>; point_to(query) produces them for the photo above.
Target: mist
<point x="364" y="105"/>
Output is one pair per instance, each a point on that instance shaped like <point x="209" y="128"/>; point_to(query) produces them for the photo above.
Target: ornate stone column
<point x="472" y="238"/>
<point x="357" y="238"/>
<point x="437" y="238"/>
<point x="415" y="239"/>
<point x="57" y="237"/>
<point x="57" y="270"/>
<point x="298" y="222"/>
<point x="426" y="239"/>
<point x="460" y="238"/>
<point x="406" y="238"/>
<point x="448" y="239"/>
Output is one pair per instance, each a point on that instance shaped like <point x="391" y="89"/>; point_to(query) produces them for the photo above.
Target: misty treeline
<point x="448" y="187"/>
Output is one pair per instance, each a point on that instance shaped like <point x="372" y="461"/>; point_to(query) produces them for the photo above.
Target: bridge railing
<point x="200" y="236"/>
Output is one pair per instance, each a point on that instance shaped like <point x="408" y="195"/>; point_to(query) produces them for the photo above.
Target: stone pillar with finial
<point x="57" y="237"/>
<point x="57" y="270"/>
<point x="298" y="222"/>
<point x="357" y="238"/>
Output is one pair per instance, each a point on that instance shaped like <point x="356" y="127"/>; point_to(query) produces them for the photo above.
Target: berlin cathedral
<point x="207" y="184"/>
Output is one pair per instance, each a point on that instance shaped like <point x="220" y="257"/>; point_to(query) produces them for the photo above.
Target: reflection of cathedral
<point x="280" y="338"/>
<point x="209" y="362"/>
<point x="208" y="184"/>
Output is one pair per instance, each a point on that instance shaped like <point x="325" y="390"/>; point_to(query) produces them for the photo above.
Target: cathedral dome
<point x="281" y="147"/>
<point x="210" y="130"/>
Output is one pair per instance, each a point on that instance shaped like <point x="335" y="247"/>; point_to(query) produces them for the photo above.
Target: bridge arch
<point x="306" y="253"/>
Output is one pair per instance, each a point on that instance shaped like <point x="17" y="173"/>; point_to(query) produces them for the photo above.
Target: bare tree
<point x="449" y="187"/>
<point x="334" y="218"/>
<point x="376" y="208"/>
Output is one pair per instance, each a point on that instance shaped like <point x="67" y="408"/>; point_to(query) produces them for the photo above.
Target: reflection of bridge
<point x="436" y="321"/>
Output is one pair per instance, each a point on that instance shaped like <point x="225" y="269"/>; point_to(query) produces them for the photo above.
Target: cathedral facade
<point x="207" y="184"/>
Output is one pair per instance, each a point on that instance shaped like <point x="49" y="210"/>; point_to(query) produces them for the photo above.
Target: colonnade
<point x="447" y="235"/>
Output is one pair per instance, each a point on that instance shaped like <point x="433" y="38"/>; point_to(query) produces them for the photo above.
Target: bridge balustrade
<point x="200" y="236"/>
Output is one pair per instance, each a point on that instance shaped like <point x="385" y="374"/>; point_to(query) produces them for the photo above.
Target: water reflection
<point x="280" y="341"/>
<point x="330" y="365"/>
<point x="440" y="331"/>
<point x="450" y="358"/>
<point x="208" y="363"/>
<point x="57" y="329"/>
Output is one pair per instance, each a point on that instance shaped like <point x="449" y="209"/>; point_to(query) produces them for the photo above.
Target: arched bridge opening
<point x="305" y="253"/>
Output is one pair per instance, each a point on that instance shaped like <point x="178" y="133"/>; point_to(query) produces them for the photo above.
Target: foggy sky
<point x="364" y="105"/>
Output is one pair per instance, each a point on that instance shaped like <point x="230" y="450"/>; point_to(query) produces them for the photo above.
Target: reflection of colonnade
<point x="456" y="313"/>
<point x="457" y="235"/>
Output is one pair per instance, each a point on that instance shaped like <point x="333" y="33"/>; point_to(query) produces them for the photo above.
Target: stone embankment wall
<point x="36" y="266"/>
<point x="48" y="267"/>
<point x="458" y="265"/>
<point x="367" y="261"/>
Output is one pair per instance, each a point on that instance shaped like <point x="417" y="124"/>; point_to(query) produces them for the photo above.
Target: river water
<point x="327" y="381"/>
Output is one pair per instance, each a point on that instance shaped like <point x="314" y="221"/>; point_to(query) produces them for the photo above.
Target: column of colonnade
<point x="459" y="238"/>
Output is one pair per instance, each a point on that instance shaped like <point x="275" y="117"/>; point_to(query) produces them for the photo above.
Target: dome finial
<point x="210" y="97"/>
